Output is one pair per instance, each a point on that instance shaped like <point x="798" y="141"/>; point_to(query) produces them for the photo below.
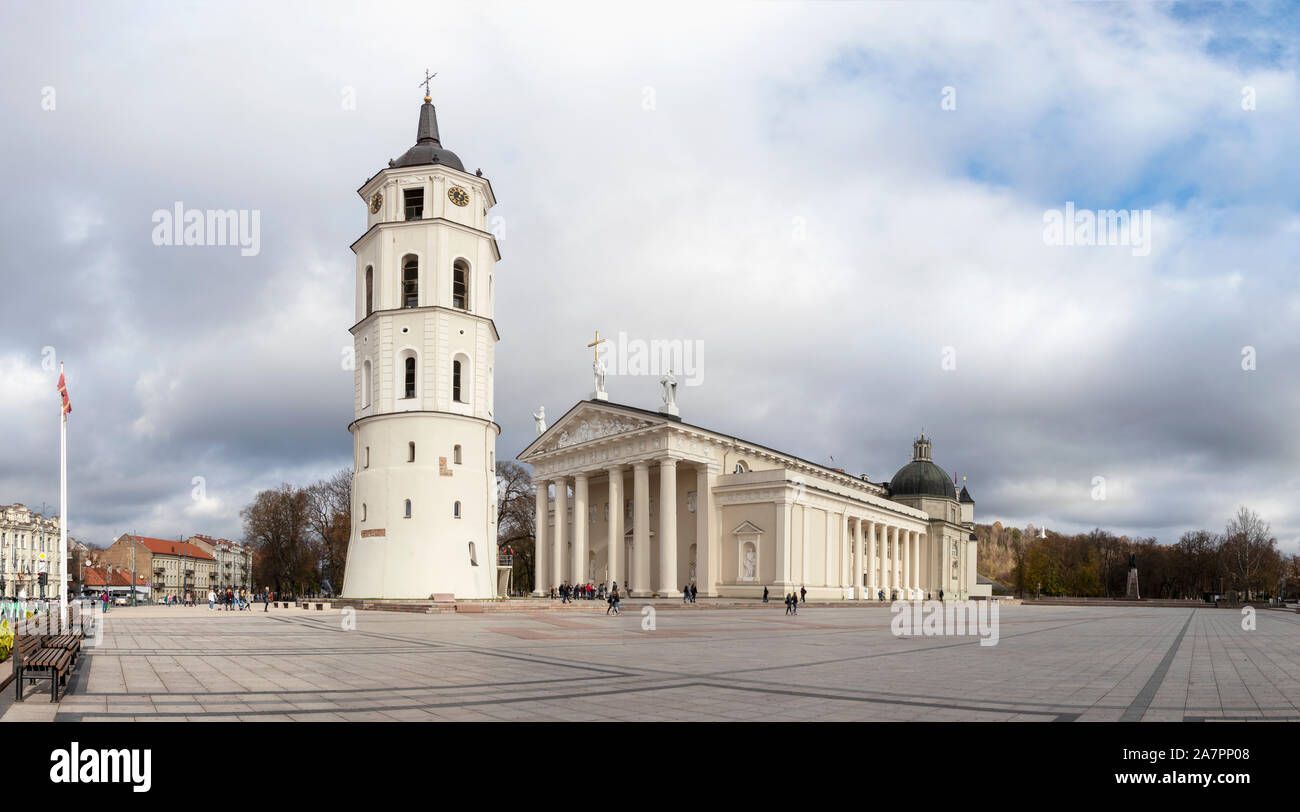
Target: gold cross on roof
<point x="595" y="353"/>
<point x="428" y="77"/>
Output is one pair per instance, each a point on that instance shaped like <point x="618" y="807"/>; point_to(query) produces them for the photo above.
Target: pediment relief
<point x="747" y="528"/>
<point x="593" y="426"/>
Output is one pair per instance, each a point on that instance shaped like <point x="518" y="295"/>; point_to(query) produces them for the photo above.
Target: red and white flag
<point x="63" y="390"/>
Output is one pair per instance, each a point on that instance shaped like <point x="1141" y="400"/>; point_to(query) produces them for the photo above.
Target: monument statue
<point x="598" y="369"/>
<point x="669" y="385"/>
<point x="539" y="420"/>
<point x="751" y="565"/>
<point x="1132" y="591"/>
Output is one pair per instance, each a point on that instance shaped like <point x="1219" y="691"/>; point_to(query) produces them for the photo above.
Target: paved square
<point x="1051" y="664"/>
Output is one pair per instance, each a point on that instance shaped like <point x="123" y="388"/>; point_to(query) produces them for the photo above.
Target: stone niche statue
<point x="539" y="420"/>
<point x="751" y="564"/>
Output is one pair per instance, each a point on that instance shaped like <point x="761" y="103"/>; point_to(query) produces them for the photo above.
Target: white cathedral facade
<point x="655" y="504"/>
<point x="624" y="494"/>
<point x="424" y="437"/>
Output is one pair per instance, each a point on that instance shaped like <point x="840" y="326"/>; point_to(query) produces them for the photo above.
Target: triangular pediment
<point x="585" y="422"/>
<point x="747" y="528"/>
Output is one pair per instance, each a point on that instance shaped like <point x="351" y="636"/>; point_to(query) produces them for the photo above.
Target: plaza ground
<point x="831" y="664"/>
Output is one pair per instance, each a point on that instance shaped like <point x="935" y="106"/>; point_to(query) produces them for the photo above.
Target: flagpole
<point x="63" y="512"/>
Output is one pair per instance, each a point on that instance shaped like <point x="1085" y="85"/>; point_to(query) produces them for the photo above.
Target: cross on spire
<point x="428" y="77"/>
<point x="595" y="345"/>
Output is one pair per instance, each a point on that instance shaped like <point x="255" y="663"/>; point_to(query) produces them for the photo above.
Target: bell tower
<point x="424" y="435"/>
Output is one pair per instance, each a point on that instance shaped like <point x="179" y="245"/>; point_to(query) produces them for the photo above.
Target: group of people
<point x="230" y="600"/>
<point x="689" y="592"/>
<point x="568" y="593"/>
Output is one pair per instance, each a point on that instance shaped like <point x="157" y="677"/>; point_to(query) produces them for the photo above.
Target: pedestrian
<point x="686" y="594"/>
<point x="940" y="594"/>
<point x="787" y="602"/>
<point x="103" y="597"/>
<point x="794" y="604"/>
<point x="803" y="594"/>
<point x="695" y="590"/>
<point x="764" y="594"/>
<point x="212" y="599"/>
<point x="266" y="599"/>
<point x="616" y="598"/>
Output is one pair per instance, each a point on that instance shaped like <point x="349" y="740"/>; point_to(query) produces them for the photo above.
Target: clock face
<point x="375" y="202"/>
<point x="458" y="196"/>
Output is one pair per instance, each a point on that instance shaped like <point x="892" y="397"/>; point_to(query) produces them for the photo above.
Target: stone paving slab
<point x="1051" y="663"/>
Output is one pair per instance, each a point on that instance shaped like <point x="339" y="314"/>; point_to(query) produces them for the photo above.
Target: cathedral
<point x="624" y="494"/>
<point x="642" y="498"/>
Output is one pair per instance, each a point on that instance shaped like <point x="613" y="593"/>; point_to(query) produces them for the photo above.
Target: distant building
<point x="172" y="568"/>
<point x="29" y="553"/>
<point x="234" y="561"/>
<point x="94" y="580"/>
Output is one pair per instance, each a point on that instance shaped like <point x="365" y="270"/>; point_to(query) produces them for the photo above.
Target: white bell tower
<point x="424" y="494"/>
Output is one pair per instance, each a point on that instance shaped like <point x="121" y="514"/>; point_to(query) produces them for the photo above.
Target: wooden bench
<point x="32" y="662"/>
<point x="70" y="643"/>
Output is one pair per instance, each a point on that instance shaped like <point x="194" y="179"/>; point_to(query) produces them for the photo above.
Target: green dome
<point x="922" y="478"/>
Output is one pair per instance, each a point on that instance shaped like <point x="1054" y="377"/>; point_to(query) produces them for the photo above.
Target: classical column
<point x="580" y="527"/>
<point x="561" y="519"/>
<point x="641" y="528"/>
<point x="705" y="530"/>
<point x="541" y="554"/>
<point x="846" y="554"/>
<point x="882" y="584"/>
<point x="781" y="577"/>
<point x="614" y="537"/>
<point x="906" y="563"/>
<point x="894" y="569"/>
<point x="668" y="527"/>
<point x="917" y="575"/>
<point x="868" y="536"/>
<point x="860" y="541"/>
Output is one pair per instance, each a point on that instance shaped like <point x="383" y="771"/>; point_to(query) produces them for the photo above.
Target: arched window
<point x="455" y="381"/>
<point x="408" y="508"/>
<point x="410" y="452"/>
<point x="365" y="383"/>
<point x="370" y="289"/>
<point x="410" y="282"/>
<point x="741" y="468"/>
<point x="363" y="511"/>
<point x="455" y="511"/>
<point x="473" y="559"/>
<point x="460" y="285"/>
<point x="455" y="454"/>
<point x="410" y="377"/>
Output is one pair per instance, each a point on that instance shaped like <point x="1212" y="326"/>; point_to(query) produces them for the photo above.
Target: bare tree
<point x="329" y="515"/>
<point x="516" y="527"/>
<point x="1249" y="553"/>
<point x="276" y="526"/>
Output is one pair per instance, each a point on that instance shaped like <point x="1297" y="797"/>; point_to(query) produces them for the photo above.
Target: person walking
<point x="803" y="594"/>
<point x="764" y="594"/>
<point x="794" y="604"/>
<point x="686" y="594"/>
<point x="787" y="602"/>
<point x="941" y="595"/>
<point x="212" y="599"/>
<point x="103" y="597"/>
<point x="266" y="599"/>
<point x="695" y="590"/>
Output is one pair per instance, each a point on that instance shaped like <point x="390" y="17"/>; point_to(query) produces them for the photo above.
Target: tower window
<point x="408" y="508"/>
<point x="367" y="465"/>
<point x="365" y="383"/>
<point x="410" y="377"/>
<point x="460" y="285"/>
<point x="455" y="510"/>
<point x="410" y="452"/>
<point x="414" y="200"/>
<point x="363" y="511"/>
<point x="410" y="282"/>
<point x="473" y="559"/>
<point x="455" y="454"/>
<point x="455" y="381"/>
<point x="370" y="290"/>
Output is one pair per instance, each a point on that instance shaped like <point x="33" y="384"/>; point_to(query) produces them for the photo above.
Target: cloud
<point x="778" y="181"/>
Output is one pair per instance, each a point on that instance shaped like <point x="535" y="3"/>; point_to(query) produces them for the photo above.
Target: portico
<point x="637" y="497"/>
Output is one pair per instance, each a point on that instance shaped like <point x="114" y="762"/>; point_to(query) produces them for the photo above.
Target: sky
<point x="845" y="205"/>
